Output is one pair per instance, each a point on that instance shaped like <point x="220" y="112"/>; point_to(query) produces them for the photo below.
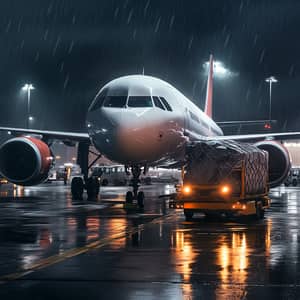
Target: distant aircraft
<point x="138" y="121"/>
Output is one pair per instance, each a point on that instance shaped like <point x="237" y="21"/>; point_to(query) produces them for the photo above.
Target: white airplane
<point x="138" y="121"/>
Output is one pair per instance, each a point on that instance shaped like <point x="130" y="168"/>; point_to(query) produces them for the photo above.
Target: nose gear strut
<point x="135" y="183"/>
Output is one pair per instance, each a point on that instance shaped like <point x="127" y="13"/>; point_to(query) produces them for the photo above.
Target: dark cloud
<point x="69" y="49"/>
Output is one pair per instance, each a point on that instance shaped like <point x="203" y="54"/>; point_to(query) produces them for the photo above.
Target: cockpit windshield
<point x="140" y="101"/>
<point x="115" y="101"/>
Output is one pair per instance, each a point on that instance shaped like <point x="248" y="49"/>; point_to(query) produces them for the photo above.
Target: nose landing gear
<point x="139" y="196"/>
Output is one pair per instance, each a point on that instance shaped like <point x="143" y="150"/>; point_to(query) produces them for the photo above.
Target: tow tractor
<point x="238" y="187"/>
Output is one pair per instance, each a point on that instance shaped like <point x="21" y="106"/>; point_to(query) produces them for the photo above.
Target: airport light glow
<point x="28" y="87"/>
<point x="187" y="189"/>
<point x="270" y="80"/>
<point x="219" y="69"/>
<point x="225" y="189"/>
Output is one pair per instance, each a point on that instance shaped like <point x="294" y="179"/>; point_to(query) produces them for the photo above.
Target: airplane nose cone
<point x="121" y="136"/>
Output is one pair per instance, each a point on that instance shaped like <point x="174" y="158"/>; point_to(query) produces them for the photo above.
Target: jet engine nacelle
<point x="279" y="161"/>
<point x="25" y="160"/>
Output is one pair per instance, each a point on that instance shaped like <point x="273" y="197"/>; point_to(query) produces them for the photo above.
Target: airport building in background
<point x="294" y="150"/>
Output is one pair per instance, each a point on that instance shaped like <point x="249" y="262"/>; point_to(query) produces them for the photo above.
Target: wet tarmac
<point x="54" y="248"/>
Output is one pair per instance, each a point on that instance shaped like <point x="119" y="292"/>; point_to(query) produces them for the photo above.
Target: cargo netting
<point x="214" y="162"/>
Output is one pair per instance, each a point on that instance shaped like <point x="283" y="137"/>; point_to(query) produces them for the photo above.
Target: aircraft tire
<point x="77" y="187"/>
<point x="260" y="212"/>
<point x="140" y="199"/>
<point x="129" y="197"/>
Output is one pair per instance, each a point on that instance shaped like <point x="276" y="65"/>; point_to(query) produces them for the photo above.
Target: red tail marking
<point x="209" y="91"/>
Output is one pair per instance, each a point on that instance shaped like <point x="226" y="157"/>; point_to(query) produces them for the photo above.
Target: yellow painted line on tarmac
<point x="54" y="259"/>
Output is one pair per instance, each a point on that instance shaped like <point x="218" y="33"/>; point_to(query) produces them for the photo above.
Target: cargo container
<point x="224" y="178"/>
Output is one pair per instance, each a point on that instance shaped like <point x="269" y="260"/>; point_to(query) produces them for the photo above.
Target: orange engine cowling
<point x="279" y="161"/>
<point x="25" y="160"/>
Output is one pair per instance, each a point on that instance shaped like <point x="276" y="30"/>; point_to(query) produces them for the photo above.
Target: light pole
<point x="28" y="87"/>
<point x="271" y="80"/>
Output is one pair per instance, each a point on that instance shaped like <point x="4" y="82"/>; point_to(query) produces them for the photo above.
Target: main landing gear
<point x="91" y="184"/>
<point x="139" y="196"/>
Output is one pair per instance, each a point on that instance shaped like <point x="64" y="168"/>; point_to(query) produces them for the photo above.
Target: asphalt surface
<point x="54" y="248"/>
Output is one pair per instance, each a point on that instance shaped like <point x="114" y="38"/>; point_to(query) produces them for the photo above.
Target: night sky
<point x="69" y="49"/>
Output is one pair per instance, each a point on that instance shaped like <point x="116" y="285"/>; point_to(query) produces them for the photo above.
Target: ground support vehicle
<point x="293" y="178"/>
<point x="239" y="187"/>
<point x="213" y="201"/>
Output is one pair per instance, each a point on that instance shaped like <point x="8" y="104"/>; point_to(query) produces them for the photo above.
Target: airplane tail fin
<point x="209" y="90"/>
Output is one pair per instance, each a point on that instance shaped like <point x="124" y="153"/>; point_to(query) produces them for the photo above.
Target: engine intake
<point x="25" y="160"/>
<point x="279" y="161"/>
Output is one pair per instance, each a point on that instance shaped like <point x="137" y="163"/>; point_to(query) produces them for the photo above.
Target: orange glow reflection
<point x="184" y="254"/>
<point x="116" y="225"/>
<point x="45" y="239"/>
<point x="184" y="258"/>
<point x="92" y="225"/>
<point x="234" y="260"/>
<point x="18" y="191"/>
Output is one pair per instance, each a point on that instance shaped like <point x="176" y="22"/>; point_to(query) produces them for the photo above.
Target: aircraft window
<point x="97" y="104"/>
<point x="140" y="101"/>
<point x="158" y="103"/>
<point x="167" y="105"/>
<point x="115" y="101"/>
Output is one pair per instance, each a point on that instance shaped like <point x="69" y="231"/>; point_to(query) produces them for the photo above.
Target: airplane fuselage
<point x="142" y="120"/>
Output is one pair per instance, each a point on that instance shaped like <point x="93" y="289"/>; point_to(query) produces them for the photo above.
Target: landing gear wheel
<point x="77" y="188"/>
<point x="140" y="199"/>
<point x="294" y="182"/>
<point x="260" y="212"/>
<point x="129" y="197"/>
<point x="188" y="215"/>
<point x="92" y="188"/>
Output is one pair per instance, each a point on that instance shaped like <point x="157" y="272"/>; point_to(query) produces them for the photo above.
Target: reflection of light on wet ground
<point x="18" y="191"/>
<point x="184" y="255"/>
<point x="92" y="225"/>
<point x="28" y="260"/>
<point x="233" y="261"/>
<point x="292" y="205"/>
<point x="45" y="238"/>
<point x="116" y="225"/>
<point x="268" y="237"/>
<point x="72" y="230"/>
<point x="235" y="258"/>
<point x="184" y="258"/>
<point x="26" y="192"/>
<point x="72" y="223"/>
<point x="3" y="194"/>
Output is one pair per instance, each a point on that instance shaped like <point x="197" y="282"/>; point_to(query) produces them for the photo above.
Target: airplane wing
<point x="58" y="135"/>
<point x="252" y="137"/>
